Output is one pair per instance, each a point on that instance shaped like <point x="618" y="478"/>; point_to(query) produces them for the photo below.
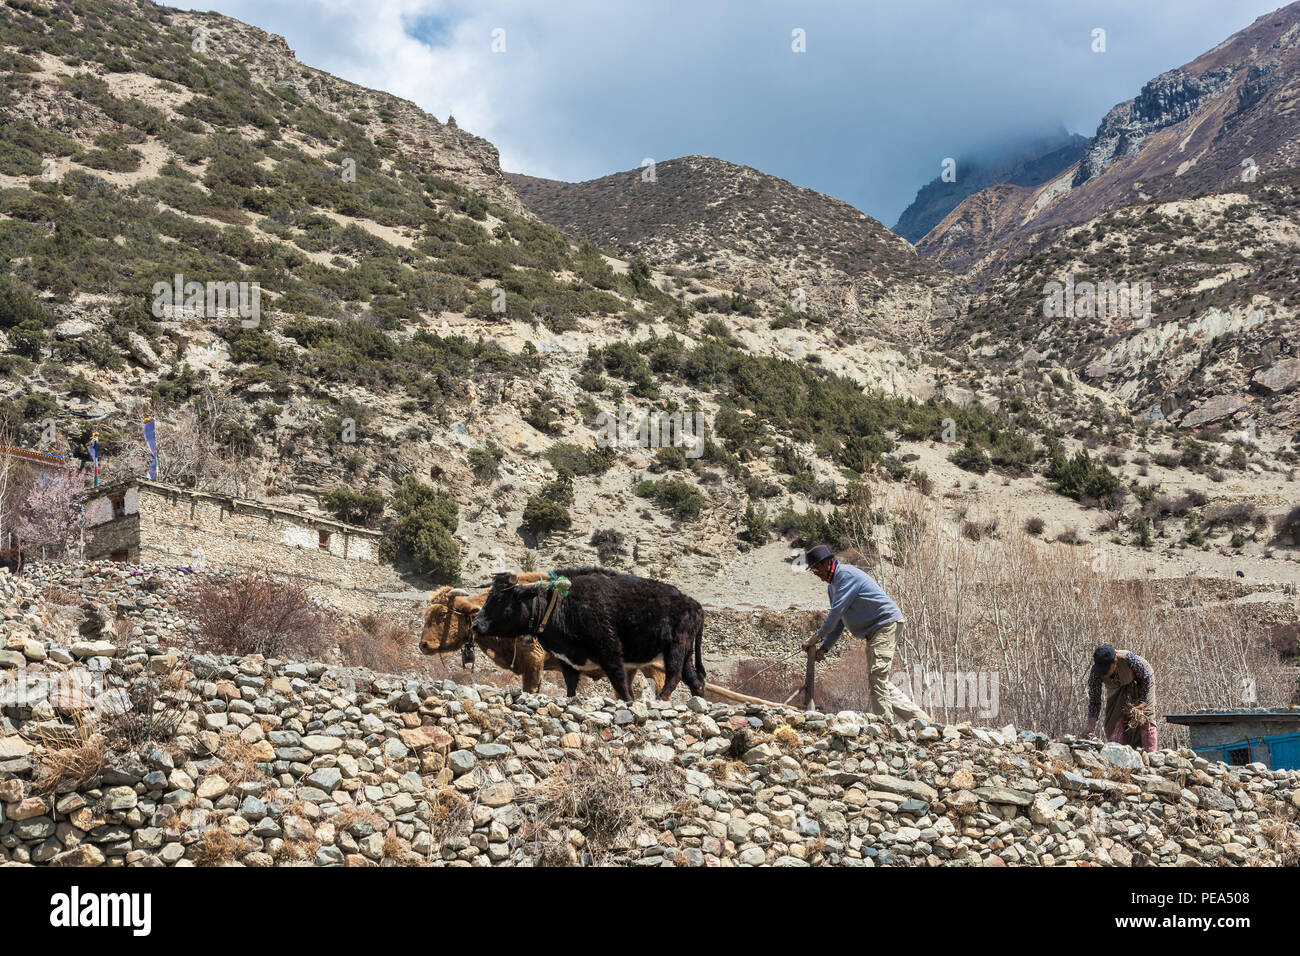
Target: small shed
<point x="1238" y="737"/>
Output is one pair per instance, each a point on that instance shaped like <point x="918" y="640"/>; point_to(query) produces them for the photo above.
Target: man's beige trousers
<point x="888" y="701"/>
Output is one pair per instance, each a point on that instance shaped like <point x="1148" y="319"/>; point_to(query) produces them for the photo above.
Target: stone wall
<point x="284" y="763"/>
<point x="150" y="523"/>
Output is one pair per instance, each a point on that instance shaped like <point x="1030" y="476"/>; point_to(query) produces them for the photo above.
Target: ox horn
<point x="459" y="592"/>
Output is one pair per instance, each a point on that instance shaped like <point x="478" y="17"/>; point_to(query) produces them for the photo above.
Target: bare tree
<point x="1031" y="613"/>
<point x="196" y="447"/>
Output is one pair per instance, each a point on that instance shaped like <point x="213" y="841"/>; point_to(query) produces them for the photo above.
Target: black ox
<point x="609" y="621"/>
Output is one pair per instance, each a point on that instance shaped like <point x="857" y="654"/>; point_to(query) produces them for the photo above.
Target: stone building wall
<point x="149" y="523"/>
<point x="1230" y="732"/>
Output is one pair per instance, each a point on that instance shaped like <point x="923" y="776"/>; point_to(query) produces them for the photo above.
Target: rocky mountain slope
<point x="705" y="215"/>
<point x="1026" y="164"/>
<point x="433" y="358"/>
<point x="1160" y="268"/>
<point x="1225" y="117"/>
<point x="270" y="762"/>
<point x="412" y="321"/>
<point x="1218" y="346"/>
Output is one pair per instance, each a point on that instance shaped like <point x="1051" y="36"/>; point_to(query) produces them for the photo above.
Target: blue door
<point x="1286" y="751"/>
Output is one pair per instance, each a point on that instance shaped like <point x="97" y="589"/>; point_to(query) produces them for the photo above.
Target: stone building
<point x="1239" y="737"/>
<point x="146" y="522"/>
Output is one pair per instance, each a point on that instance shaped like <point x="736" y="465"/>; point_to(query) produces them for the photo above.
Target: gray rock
<point x="327" y="779"/>
<point x="1214" y="408"/>
<point x="1004" y="795"/>
<point x="73" y="328"/>
<point x="908" y="788"/>
<point x="141" y="350"/>
<point x="461" y="761"/>
<point x="1121" y="756"/>
<point x="1279" y="377"/>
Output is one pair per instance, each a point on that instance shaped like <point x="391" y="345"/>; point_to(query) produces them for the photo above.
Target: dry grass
<point x="380" y="644"/>
<point x="72" y="758"/>
<point x="346" y="817"/>
<point x="156" y="706"/>
<point x="218" y="845"/>
<point x="593" y="794"/>
<point x="60" y="596"/>
<point x="241" y="762"/>
<point x="484" y="719"/>
<point x="295" y="851"/>
<point x="1032" y="613"/>
<point x="450" y="815"/>
<point x="1285" y="837"/>
<point x="787" y="737"/>
<point x="395" y="849"/>
<point x="556" y="853"/>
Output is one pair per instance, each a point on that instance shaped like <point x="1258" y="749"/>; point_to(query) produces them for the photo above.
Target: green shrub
<point x="177" y="385"/>
<point x="19" y="308"/>
<point x="1143" y="529"/>
<point x="812" y="527"/>
<point x="970" y="458"/>
<point x="363" y="508"/>
<point x="425" y="520"/>
<point x="576" y="461"/>
<point x="548" y="510"/>
<point x="677" y="497"/>
<point x="757" y="528"/>
<point x="1080" y="476"/>
<point x="671" y="457"/>
<point x="542" y="516"/>
<point x="485" y="463"/>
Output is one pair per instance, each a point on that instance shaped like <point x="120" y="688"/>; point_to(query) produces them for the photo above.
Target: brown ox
<point x="446" y="629"/>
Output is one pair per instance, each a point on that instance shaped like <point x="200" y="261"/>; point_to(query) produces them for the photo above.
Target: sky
<point x="880" y="94"/>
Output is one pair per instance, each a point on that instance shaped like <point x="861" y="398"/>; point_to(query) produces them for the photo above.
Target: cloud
<point x="882" y="94"/>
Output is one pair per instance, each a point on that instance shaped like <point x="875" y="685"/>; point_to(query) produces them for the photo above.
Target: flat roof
<point x="1231" y="716"/>
<point x="305" y="518"/>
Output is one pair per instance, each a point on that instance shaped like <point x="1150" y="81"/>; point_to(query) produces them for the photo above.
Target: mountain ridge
<point x="756" y="230"/>
<point x="1018" y="164"/>
<point x="1176" y="139"/>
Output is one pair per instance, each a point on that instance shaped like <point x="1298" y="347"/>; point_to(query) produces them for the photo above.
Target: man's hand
<point x="810" y="644"/>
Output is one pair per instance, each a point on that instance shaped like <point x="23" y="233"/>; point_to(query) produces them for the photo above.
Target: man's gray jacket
<point x="858" y="603"/>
